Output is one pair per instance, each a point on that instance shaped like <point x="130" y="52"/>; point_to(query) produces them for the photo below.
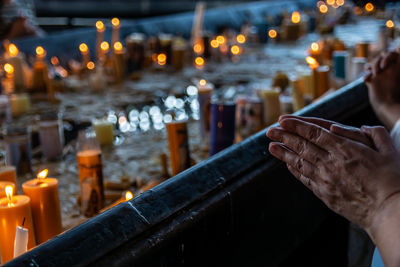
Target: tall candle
<point x="115" y="32"/>
<point x="205" y="90"/>
<point x="119" y="62"/>
<point x="40" y="80"/>
<point x="100" y="37"/>
<point x="16" y="60"/>
<point x="362" y="49"/>
<point x="45" y="205"/>
<point x="298" y="94"/>
<point x="323" y="84"/>
<point x="358" y="67"/>
<point x="341" y="65"/>
<point x="272" y="106"/>
<point x="90" y="173"/>
<point x="178" y="146"/>
<point x="20" y="104"/>
<point x="135" y="51"/>
<point x="85" y="53"/>
<point x="179" y="46"/>
<point x="222" y="130"/>
<point x="13" y="211"/>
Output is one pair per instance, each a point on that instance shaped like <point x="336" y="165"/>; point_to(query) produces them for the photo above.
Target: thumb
<point x="380" y="137"/>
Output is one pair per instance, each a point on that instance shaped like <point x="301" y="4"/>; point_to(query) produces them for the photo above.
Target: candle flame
<point x="296" y="17"/>
<point x="90" y="65"/>
<point x="54" y="61"/>
<point x="83" y="48"/>
<point x="272" y="34"/>
<point x="214" y="43"/>
<point x="118" y="46"/>
<point x="162" y="58"/>
<point x="220" y="39"/>
<point x="8" y="68"/>
<point x="199" y="61"/>
<point x="390" y="24"/>
<point x="330" y="2"/>
<point x="235" y="50"/>
<point x="369" y="7"/>
<point x="241" y="39"/>
<point x="128" y="195"/>
<point x="340" y="2"/>
<point x="43" y="174"/>
<point x="100" y="25"/>
<point x="13" y="50"/>
<point x="314" y="47"/>
<point x="115" y="22"/>
<point x="312" y="62"/>
<point x="323" y="9"/>
<point x="40" y="51"/>
<point x="104" y="46"/>
<point x="9" y="193"/>
<point x="198" y="48"/>
<point x="202" y="82"/>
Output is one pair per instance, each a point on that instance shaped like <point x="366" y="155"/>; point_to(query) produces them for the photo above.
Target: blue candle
<point x="340" y="64"/>
<point x="222" y="132"/>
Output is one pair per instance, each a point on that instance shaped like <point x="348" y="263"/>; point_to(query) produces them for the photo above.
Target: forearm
<point x="388" y="114"/>
<point x="385" y="232"/>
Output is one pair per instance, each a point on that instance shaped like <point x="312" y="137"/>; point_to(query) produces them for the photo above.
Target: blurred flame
<point x="99" y="25"/>
<point x="8" y="68"/>
<point x="198" y="48"/>
<point x="90" y="65"/>
<point x="104" y="46"/>
<point x="214" y="44"/>
<point x="323" y="9"/>
<point x="128" y="195"/>
<point x="115" y="22"/>
<point x="312" y="62"/>
<point x="42" y="174"/>
<point x="9" y="193"/>
<point x="235" y="50"/>
<point x="369" y="7"/>
<point x="241" y="39"/>
<point x="272" y="34"/>
<point x="83" y="48"/>
<point x="389" y="24"/>
<point x="220" y="39"/>
<point x="296" y="17"/>
<point x="40" y="51"/>
<point x="54" y="61"/>
<point x="118" y="46"/>
<point x="13" y="50"/>
<point x="202" y="82"/>
<point x="314" y="47"/>
<point x="199" y="61"/>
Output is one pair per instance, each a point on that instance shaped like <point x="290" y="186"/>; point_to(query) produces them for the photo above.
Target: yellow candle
<point x="115" y="33"/>
<point x="45" y="205"/>
<point x="85" y="53"/>
<point x="271" y="105"/>
<point x="8" y="173"/>
<point x="104" y="131"/>
<point x="16" y="60"/>
<point x="13" y="211"/>
<point x="100" y="37"/>
<point x="297" y="94"/>
<point x="20" y="104"/>
<point x="40" y="80"/>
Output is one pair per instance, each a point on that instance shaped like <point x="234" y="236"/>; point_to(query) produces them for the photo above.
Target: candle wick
<point x="23" y="222"/>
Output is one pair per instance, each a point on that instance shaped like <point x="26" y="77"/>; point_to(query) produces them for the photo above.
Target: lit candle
<point x="205" y="90"/>
<point x="178" y="146"/>
<point x="3" y="185"/>
<point x="313" y="66"/>
<point x="119" y="62"/>
<point x="20" y="104"/>
<point x="128" y="195"/>
<point x="85" y="53"/>
<point x="298" y="91"/>
<point x="45" y="205"/>
<point x="16" y="60"/>
<point x="271" y="105"/>
<point x="90" y="174"/>
<point x="166" y="46"/>
<point x="13" y="211"/>
<point x="315" y="51"/>
<point x="100" y="37"/>
<point x="8" y="82"/>
<point x="40" y="81"/>
<point x="8" y="173"/>
<point x="115" y="32"/>
<point x="104" y="131"/>
<point x="104" y="47"/>
<point x="291" y="29"/>
<point x="199" y="62"/>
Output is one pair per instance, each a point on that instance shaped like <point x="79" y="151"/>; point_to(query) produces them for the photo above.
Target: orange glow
<point x="43" y="174"/>
<point x="198" y="48"/>
<point x="340" y="2"/>
<point x="104" y="46"/>
<point x="323" y="9"/>
<point x="162" y="58"/>
<point x="83" y="48"/>
<point x="241" y="39"/>
<point x="315" y="47"/>
<point x="9" y="193"/>
<point x="220" y="39"/>
<point x="118" y="46"/>
<point x="235" y="50"/>
<point x="100" y="25"/>
<point x="320" y="3"/>
<point x="40" y="51"/>
<point x="312" y="62"/>
<point x="128" y="195"/>
<point x="214" y="44"/>
<point x="90" y="65"/>
<point x="202" y="82"/>
<point x="296" y="17"/>
<point x="115" y="22"/>
<point x="272" y="34"/>
<point x="369" y="7"/>
<point x="13" y="50"/>
<point x="330" y="2"/>
<point x="389" y="24"/>
<point x="55" y="61"/>
<point x="357" y="10"/>
<point x="199" y="61"/>
<point x="8" y="68"/>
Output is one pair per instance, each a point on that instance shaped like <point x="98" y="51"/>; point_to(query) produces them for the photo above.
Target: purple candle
<point x="222" y="132"/>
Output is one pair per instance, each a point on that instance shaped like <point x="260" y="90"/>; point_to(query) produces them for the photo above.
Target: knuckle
<point x="300" y="148"/>
<point x="300" y="165"/>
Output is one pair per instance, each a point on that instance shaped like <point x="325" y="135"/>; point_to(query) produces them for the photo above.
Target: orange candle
<point x="45" y="204"/>
<point x="13" y="211"/>
<point x="40" y="80"/>
<point x="8" y="173"/>
<point x="3" y="185"/>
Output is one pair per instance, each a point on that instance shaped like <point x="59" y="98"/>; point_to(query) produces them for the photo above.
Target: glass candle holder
<point x="51" y="136"/>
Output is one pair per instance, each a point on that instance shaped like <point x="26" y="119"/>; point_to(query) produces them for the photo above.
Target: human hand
<point x="351" y="178"/>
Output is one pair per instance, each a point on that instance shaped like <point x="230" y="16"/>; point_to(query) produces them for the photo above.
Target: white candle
<point x="21" y="241"/>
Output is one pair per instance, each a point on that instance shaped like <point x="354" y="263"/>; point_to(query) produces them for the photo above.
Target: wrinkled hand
<point x="351" y="178"/>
